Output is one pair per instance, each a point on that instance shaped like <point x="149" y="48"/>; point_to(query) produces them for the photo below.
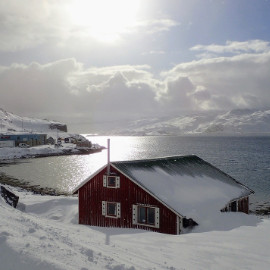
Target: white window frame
<point x="135" y="216"/>
<point x="105" y="209"/>
<point x="106" y="181"/>
<point x="179" y="225"/>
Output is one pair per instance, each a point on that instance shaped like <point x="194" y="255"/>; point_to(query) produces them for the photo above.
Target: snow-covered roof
<point x="187" y="184"/>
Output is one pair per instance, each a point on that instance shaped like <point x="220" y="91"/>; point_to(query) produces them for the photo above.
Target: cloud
<point x="156" y="25"/>
<point x="176" y="94"/>
<point x="235" y="47"/>
<point x="228" y="82"/>
<point x="154" y="52"/>
<point x="36" y="89"/>
<point x="28" y="24"/>
<point x="66" y="90"/>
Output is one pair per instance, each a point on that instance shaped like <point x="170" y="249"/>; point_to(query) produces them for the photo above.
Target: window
<point x="111" y="209"/>
<point x="146" y="215"/>
<point x="111" y="181"/>
<point x="230" y="207"/>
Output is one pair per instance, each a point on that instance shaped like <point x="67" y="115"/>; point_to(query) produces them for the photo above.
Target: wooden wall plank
<point x="93" y="193"/>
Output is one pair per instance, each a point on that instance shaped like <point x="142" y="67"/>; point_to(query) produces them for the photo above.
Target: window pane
<point x="142" y="215"/>
<point x="111" y="209"/>
<point x="111" y="181"/>
<point x="151" y="216"/>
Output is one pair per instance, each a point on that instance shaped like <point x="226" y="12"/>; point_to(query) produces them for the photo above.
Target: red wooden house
<point x="164" y="195"/>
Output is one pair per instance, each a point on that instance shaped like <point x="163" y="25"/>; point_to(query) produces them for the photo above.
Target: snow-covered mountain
<point x="243" y="122"/>
<point x="10" y="122"/>
<point x="232" y="122"/>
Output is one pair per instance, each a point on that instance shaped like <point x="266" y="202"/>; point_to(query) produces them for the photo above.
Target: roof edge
<point x="190" y="156"/>
<point x="149" y="192"/>
<point x="74" y="191"/>
<point x="232" y="178"/>
<point x="157" y="158"/>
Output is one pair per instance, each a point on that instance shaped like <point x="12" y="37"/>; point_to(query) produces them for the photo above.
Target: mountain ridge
<point x="234" y="122"/>
<point x="238" y="121"/>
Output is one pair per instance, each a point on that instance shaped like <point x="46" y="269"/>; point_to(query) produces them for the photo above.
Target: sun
<point x="105" y="20"/>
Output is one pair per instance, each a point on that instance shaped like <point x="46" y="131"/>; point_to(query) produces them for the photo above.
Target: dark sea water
<point x="245" y="158"/>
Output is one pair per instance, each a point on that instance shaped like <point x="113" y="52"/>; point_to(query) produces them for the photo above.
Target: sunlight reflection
<point x="122" y="148"/>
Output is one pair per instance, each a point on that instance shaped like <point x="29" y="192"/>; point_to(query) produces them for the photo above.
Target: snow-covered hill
<point x="10" y="123"/>
<point x="43" y="233"/>
<point x="233" y="122"/>
<point x="241" y="122"/>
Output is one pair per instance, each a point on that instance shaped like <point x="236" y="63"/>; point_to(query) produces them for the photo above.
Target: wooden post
<point x="108" y="156"/>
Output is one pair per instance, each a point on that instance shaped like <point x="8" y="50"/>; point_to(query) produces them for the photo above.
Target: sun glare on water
<point x="105" y="20"/>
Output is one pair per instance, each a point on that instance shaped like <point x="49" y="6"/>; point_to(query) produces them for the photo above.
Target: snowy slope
<point x="232" y="122"/>
<point x="239" y="121"/>
<point x="13" y="124"/>
<point x="43" y="234"/>
<point x="10" y="123"/>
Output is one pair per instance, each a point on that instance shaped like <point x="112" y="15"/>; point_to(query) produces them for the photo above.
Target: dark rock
<point x="9" y="197"/>
<point x="189" y="222"/>
<point x="60" y="127"/>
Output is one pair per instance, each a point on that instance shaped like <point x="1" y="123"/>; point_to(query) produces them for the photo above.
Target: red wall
<point x="93" y="193"/>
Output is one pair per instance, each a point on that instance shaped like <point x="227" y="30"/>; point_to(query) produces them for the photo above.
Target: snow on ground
<point x="14" y="124"/>
<point x="10" y="153"/>
<point x="42" y="233"/>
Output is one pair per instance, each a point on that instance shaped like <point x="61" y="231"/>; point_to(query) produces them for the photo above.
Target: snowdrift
<point x="42" y="233"/>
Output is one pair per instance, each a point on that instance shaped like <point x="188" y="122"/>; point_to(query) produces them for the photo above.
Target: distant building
<point x="50" y="140"/>
<point x="165" y="195"/>
<point x="28" y="138"/>
<point x="7" y="144"/>
<point x="70" y="140"/>
<point x="82" y="144"/>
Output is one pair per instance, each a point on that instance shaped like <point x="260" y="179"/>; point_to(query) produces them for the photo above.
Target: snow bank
<point x="44" y="235"/>
<point x="13" y="124"/>
<point x="8" y="153"/>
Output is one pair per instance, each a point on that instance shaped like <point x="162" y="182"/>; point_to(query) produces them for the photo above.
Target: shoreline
<point x="39" y="152"/>
<point x="64" y="153"/>
<point x="24" y="185"/>
<point x="36" y="189"/>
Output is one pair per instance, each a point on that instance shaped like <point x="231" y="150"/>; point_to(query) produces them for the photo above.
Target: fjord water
<point x="245" y="158"/>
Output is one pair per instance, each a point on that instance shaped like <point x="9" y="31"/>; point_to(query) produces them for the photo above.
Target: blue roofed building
<point x="31" y="139"/>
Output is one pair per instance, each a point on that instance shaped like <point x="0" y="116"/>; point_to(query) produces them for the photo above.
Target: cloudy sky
<point x="88" y="62"/>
